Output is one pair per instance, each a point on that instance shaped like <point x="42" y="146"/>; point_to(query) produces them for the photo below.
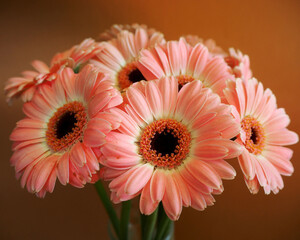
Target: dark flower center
<point x="128" y="75"/>
<point x="164" y="142"/>
<point x="65" y="124"/>
<point x="135" y="76"/>
<point x="254" y="135"/>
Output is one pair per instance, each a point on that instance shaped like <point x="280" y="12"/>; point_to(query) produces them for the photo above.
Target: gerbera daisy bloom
<point x="119" y="56"/>
<point x="263" y="135"/>
<point x="64" y="123"/>
<point x="211" y="45"/>
<point x="118" y="28"/>
<point x="239" y="64"/>
<point x="170" y="146"/>
<point x="236" y="60"/>
<point x="74" y="58"/>
<point x="179" y="59"/>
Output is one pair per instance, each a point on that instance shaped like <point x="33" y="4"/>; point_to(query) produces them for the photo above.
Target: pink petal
<point x="197" y="60"/>
<point x="138" y="178"/>
<point x="197" y="201"/>
<point x="77" y="155"/>
<point x="91" y="159"/>
<point x="158" y="185"/>
<point x="128" y="125"/>
<point x="149" y="65"/>
<point x="154" y="99"/>
<point x="224" y="169"/>
<point x="109" y="174"/>
<point x="98" y="102"/>
<point x="98" y="124"/>
<point x="23" y="134"/>
<point x="31" y="123"/>
<point x="209" y="199"/>
<point x="260" y="174"/>
<point x="210" y="152"/>
<point x="278" y="120"/>
<point x="174" y="57"/>
<point x="204" y="173"/>
<point x="50" y="184"/>
<point x="147" y="206"/>
<point x="138" y="102"/>
<point x="93" y="137"/>
<point x="192" y="181"/>
<point x="203" y="119"/>
<point x="63" y="169"/>
<point x="26" y="155"/>
<point x="247" y="165"/>
<point x="283" y="165"/>
<point x="44" y="172"/>
<point x="183" y="101"/>
<point x="172" y="199"/>
<point x="241" y="96"/>
<point x="111" y="118"/>
<point x="233" y="149"/>
<point x="32" y="112"/>
<point x="253" y="185"/>
<point x="282" y="137"/>
<point x="183" y="189"/>
<point x="169" y="90"/>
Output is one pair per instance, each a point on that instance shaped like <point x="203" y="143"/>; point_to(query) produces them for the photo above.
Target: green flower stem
<point x="148" y="225"/>
<point x="108" y="207"/>
<point x="169" y="231"/>
<point x="125" y="216"/>
<point x="164" y="224"/>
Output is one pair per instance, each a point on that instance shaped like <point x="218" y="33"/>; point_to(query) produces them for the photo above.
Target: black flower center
<point x="254" y="135"/>
<point x="135" y="76"/>
<point x="164" y="142"/>
<point x="65" y="124"/>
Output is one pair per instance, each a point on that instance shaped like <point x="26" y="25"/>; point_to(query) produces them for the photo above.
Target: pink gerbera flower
<point x="64" y="123"/>
<point x="118" y="28"/>
<point x="74" y="58"/>
<point x="239" y="64"/>
<point x="119" y="56"/>
<point x="236" y="60"/>
<point x="179" y="59"/>
<point x="170" y="147"/>
<point x="263" y="135"/>
<point x="211" y="45"/>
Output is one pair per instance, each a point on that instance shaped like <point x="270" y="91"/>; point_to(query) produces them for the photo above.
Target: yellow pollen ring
<point x="123" y="75"/>
<point x="60" y="143"/>
<point x="170" y="127"/>
<point x="254" y="134"/>
<point x="184" y="79"/>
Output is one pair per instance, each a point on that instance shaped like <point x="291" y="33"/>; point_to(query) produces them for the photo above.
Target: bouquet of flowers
<point x="158" y="119"/>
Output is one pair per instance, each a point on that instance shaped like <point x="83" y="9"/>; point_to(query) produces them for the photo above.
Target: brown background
<point x="268" y="31"/>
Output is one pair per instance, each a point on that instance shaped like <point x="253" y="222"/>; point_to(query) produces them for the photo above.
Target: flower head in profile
<point x="211" y="45"/>
<point x="170" y="146"/>
<point x="64" y="124"/>
<point x="119" y="56"/>
<point x="239" y="64"/>
<point x="74" y="58"/>
<point x="263" y="135"/>
<point x="186" y="63"/>
<point x="236" y="60"/>
<point x="115" y="29"/>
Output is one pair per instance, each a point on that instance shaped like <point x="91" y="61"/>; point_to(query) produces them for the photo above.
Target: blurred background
<point x="268" y="31"/>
